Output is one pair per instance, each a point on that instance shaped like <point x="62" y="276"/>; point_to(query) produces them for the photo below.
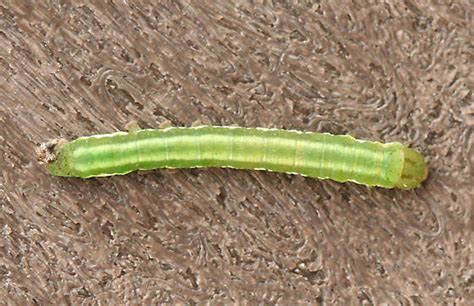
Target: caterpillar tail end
<point x="51" y="155"/>
<point x="415" y="170"/>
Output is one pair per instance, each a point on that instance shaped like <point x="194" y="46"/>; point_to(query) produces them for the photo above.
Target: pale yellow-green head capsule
<point x="414" y="170"/>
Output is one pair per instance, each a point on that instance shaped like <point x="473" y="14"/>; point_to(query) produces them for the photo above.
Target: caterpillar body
<point x="340" y="158"/>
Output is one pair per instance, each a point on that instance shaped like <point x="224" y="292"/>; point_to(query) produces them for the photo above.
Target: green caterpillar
<point x="320" y="155"/>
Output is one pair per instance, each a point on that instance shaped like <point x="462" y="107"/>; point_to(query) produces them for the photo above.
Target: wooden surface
<point x="387" y="71"/>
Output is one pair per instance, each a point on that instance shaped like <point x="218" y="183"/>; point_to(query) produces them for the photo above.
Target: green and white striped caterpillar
<point x="320" y="155"/>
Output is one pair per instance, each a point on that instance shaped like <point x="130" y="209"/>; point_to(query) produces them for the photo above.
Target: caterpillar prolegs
<point x="340" y="158"/>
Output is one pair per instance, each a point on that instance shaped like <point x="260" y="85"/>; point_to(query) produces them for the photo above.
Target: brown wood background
<point x="388" y="71"/>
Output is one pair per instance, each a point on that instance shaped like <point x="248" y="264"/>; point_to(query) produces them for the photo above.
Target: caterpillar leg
<point x="165" y="124"/>
<point x="196" y="123"/>
<point x="132" y="126"/>
<point x="144" y="172"/>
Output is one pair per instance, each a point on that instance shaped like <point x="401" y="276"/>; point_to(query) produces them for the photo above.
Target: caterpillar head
<point x="414" y="170"/>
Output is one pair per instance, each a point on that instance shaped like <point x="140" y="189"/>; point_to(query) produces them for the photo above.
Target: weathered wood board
<point x="384" y="70"/>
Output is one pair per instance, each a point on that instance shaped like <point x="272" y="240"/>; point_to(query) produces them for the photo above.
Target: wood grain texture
<point x="381" y="70"/>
